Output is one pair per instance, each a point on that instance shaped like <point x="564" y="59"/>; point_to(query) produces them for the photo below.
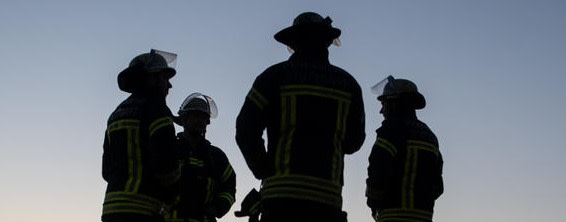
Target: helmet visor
<point x="190" y="104"/>
<point x="383" y="87"/>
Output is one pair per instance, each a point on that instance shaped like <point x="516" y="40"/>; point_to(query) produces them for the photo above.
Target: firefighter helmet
<point x="199" y="102"/>
<point x="155" y="61"/>
<point x="391" y="88"/>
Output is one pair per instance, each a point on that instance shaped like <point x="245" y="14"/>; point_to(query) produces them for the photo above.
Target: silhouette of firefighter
<point x="405" y="164"/>
<point x="208" y="182"/>
<point x="139" y="159"/>
<point x="313" y="114"/>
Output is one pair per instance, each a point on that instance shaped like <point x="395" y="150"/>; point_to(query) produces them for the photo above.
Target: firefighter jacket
<point x="139" y="157"/>
<point x="314" y="115"/>
<point x="405" y="171"/>
<point x="208" y="181"/>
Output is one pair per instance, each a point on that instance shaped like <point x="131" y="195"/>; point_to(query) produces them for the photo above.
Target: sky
<point x="492" y="72"/>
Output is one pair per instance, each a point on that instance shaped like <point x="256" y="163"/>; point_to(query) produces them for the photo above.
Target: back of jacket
<point x="139" y="157"/>
<point x="314" y="114"/>
<point x="405" y="171"/>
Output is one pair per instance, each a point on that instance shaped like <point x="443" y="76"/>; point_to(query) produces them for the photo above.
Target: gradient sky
<point x="493" y="73"/>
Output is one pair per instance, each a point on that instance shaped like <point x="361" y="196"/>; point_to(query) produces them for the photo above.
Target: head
<point x="399" y="97"/>
<point x="195" y="113"/>
<point x="148" y="73"/>
<point x="309" y="30"/>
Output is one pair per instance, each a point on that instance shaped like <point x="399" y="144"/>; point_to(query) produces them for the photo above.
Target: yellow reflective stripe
<point x="196" y="162"/>
<point x="256" y="97"/>
<point x="288" y="122"/>
<point x="304" y="181"/>
<point x="209" y="190"/>
<point x="386" y="145"/>
<point x="133" y="150"/>
<point x="404" y="214"/>
<point x="135" y="167"/>
<point x="160" y="123"/>
<point x="227" y="196"/>
<point x="123" y="124"/>
<point x="304" y="194"/>
<point x="227" y="173"/>
<point x="421" y="145"/>
<point x="127" y="208"/>
<point x="316" y="91"/>
<point x="125" y="202"/>
<point x="338" y="155"/>
<point x="409" y="175"/>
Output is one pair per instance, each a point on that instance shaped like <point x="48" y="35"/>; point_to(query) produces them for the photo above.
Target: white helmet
<point x="199" y="102"/>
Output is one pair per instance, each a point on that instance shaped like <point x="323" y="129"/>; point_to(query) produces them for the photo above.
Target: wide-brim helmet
<point x="391" y="88"/>
<point x="308" y="27"/>
<point x="156" y="61"/>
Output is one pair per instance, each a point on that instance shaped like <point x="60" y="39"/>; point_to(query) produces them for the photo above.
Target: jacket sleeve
<point x="380" y="172"/>
<point x="439" y="182"/>
<point x="250" y="124"/>
<point x="225" y="191"/>
<point x="356" y="124"/>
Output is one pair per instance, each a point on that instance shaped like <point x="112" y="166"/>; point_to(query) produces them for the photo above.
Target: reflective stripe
<point x="386" y="145"/>
<point x="133" y="150"/>
<point x="257" y="98"/>
<point x="125" y="202"/>
<point x="318" y="91"/>
<point x="160" y="123"/>
<point x="196" y="162"/>
<point x="403" y="214"/>
<point x="227" y="173"/>
<point x="410" y="171"/>
<point x="339" y="134"/>
<point x="421" y="145"/>
<point x="289" y="94"/>
<point x="302" y="187"/>
<point x="228" y="197"/>
<point x="288" y="123"/>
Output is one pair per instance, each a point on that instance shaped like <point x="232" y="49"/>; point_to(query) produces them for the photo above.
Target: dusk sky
<point x="492" y="71"/>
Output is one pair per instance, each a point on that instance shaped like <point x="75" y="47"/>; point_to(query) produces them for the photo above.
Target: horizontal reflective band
<point x="123" y="124"/>
<point x="160" y="123"/>
<point x="257" y="98"/>
<point x="303" y="181"/>
<point x="316" y="91"/>
<point x="196" y="162"/>
<point x="400" y="214"/>
<point x="302" y="187"/>
<point x="421" y="145"/>
<point x="227" y="196"/>
<point x="386" y="145"/>
<point x="132" y="197"/>
<point x="136" y="208"/>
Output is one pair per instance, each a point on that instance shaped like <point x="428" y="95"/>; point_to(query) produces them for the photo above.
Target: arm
<point x="380" y="172"/>
<point x="356" y="124"/>
<point x="225" y="191"/>
<point x="250" y="125"/>
<point x="162" y="150"/>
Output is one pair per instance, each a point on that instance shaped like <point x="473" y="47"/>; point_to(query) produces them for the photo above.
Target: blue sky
<point x="492" y="72"/>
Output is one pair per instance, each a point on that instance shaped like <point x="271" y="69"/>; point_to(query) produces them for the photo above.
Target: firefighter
<point x="405" y="164"/>
<point x="208" y="181"/>
<point x="139" y="144"/>
<point x="313" y="114"/>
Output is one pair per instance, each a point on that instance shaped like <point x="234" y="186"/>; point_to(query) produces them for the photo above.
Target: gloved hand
<point x="251" y="206"/>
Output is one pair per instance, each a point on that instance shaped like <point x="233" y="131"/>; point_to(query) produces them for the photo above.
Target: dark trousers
<point x="124" y="217"/>
<point x="291" y="210"/>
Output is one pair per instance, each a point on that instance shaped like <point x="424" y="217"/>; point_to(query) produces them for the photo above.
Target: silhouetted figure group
<point x="313" y="115"/>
